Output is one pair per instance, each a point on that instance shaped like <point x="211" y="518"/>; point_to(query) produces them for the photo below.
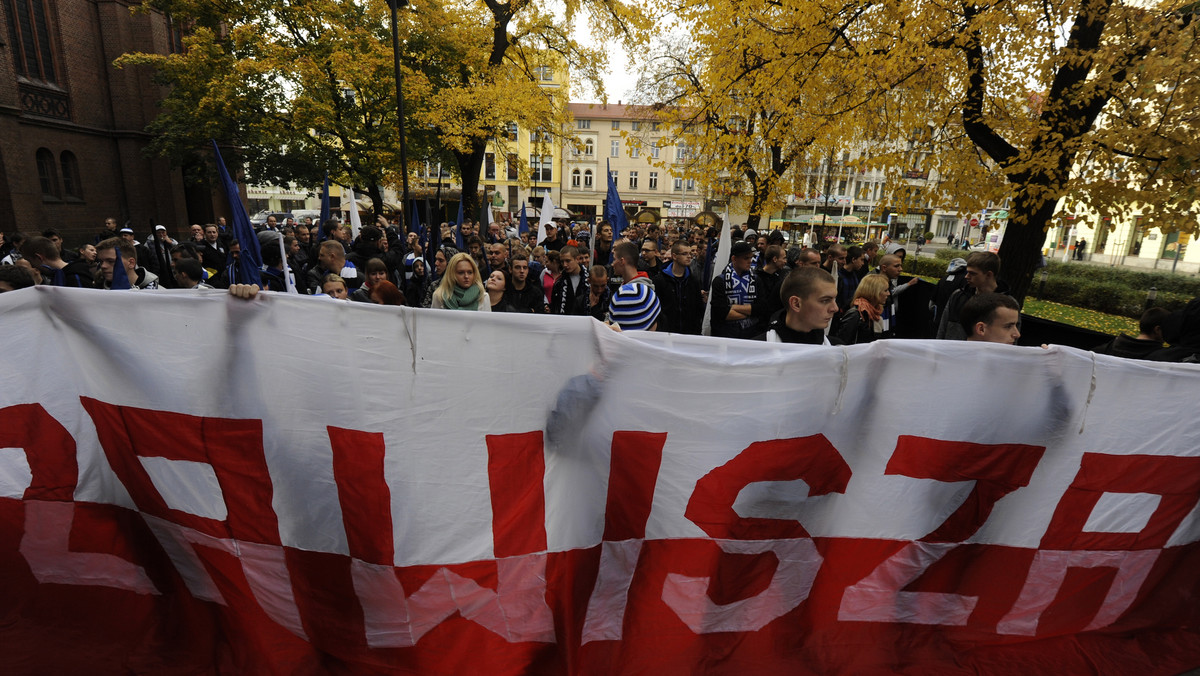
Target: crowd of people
<point x="653" y="276"/>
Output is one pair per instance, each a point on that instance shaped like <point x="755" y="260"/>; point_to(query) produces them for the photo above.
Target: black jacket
<point x="529" y="299"/>
<point x="682" y="308"/>
<point x="568" y="300"/>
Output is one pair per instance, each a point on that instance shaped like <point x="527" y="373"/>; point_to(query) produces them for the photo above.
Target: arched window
<point x="587" y="178"/>
<point x="72" y="186"/>
<point x="47" y="174"/>
<point x="575" y="178"/>
<point x="589" y="148"/>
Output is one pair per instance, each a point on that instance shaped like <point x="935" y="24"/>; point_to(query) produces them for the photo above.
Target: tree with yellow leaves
<point x="304" y="86"/>
<point x="1089" y="101"/>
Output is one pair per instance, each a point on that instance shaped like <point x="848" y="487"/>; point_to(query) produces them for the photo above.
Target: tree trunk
<point x="470" y="165"/>
<point x="376" y="200"/>
<point x="1021" y="249"/>
<point x="757" y="198"/>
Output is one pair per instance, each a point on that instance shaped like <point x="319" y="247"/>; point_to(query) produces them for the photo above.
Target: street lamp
<point x="1150" y="296"/>
<point x="395" y="5"/>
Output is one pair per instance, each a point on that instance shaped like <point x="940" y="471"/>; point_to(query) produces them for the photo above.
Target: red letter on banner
<point x="49" y="450"/>
<point x="517" y="609"/>
<point x="812" y="459"/>
<point x="516" y="471"/>
<point x="50" y="508"/>
<point x="233" y="448"/>
<point x="632" y="476"/>
<point x="1118" y="513"/>
<point x="363" y="494"/>
<point x="997" y="470"/>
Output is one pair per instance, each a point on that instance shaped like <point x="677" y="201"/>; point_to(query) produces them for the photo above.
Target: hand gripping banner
<point x="191" y="483"/>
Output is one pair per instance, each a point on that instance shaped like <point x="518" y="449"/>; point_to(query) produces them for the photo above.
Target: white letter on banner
<point x="264" y="566"/>
<point x="789" y="587"/>
<point x="1046" y="576"/>
<point x="995" y="471"/>
<point x="517" y="611"/>
<point x="877" y="597"/>
<point x="45" y="546"/>
<point x="606" y="607"/>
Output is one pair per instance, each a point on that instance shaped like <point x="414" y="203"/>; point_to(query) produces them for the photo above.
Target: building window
<point x="681" y="153"/>
<point x="633" y="180"/>
<point x="637" y="126"/>
<point x="654" y="180"/>
<point x="616" y="125"/>
<point x="613" y="176"/>
<point x="72" y="188"/>
<point x="575" y="178"/>
<point x="587" y="178"/>
<point x="654" y="150"/>
<point x="614" y="148"/>
<point x="679" y="185"/>
<point x="541" y="168"/>
<point x="489" y="166"/>
<point x="653" y="126"/>
<point x="589" y="148"/>
<point x="47" y="174"/>
<point x="511" y="161"/>
<point x="539" y="136"/>
<point x="544" y="73"/>
<point x="29" y="33"/>
<point x="691" y="185"/>
<point x="635" y="151"/>
<point x="583" y="124"/>
<point x="512" y="131"/>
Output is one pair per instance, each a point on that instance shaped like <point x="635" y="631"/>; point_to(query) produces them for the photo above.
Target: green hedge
<point x="1114" y="290"/>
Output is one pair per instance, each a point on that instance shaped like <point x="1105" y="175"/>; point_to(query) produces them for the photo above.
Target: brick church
<point x="72" y="139"/>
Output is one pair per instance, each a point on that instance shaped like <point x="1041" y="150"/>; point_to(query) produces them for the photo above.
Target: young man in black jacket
<point x="680" y="296"/>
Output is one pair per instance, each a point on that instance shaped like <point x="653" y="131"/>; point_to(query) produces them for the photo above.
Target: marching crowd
<point x="647" y="277"/>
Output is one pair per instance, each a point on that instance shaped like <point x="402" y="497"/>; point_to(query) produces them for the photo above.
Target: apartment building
<point x="612" y="137"/>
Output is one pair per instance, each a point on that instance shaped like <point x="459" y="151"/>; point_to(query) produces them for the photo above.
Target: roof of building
<point x="606" y="111"/>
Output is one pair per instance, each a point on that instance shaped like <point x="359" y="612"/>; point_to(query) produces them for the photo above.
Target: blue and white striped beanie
<point x="634" y="307"/>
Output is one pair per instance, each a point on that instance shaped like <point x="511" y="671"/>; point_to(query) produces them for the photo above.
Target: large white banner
<point x="296" y="480"/>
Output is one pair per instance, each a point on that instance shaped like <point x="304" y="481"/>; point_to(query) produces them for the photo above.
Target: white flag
<point x="547" y="220"/>
<point x="719" y="263"/>
<point x="355" y="221"/>
<point x="289" y="279"/>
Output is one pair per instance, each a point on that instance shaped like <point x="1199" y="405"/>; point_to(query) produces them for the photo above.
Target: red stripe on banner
<point x="516" y="468"/>
<point x="996" y="469"/>
<point x="633" y="474"/>
<point x="363" y="494"/>
<point x="812" y="459"/>
<point x="232" y="447"/>
<point x="1175" y="479"/>
<point x="49" y="450"/>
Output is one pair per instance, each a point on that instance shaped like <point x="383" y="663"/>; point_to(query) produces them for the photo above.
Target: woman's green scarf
<point x="464" y="299"/>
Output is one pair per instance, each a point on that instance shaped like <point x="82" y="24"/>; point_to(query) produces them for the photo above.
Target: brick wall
<point x="108" y="109"/>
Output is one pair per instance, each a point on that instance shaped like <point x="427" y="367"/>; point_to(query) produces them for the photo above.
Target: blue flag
<point x="250" y="261"/>
<point x="614" y="211"/>
<point x="458" y="240"/>
<point x="524" y="225"/>
<point x="120" y="280"/>
<point x="325" y="201"/>
<point x="416" y="217"/>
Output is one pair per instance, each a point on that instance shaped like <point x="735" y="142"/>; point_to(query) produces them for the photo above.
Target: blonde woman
<point x="461" y="288"/>
<point x="865" y="322"/>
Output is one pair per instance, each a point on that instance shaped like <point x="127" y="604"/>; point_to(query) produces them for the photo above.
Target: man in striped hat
<point x="634" y="307"/>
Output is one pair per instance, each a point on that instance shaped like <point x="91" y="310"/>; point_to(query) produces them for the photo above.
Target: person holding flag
<point x="118" y="266"/>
